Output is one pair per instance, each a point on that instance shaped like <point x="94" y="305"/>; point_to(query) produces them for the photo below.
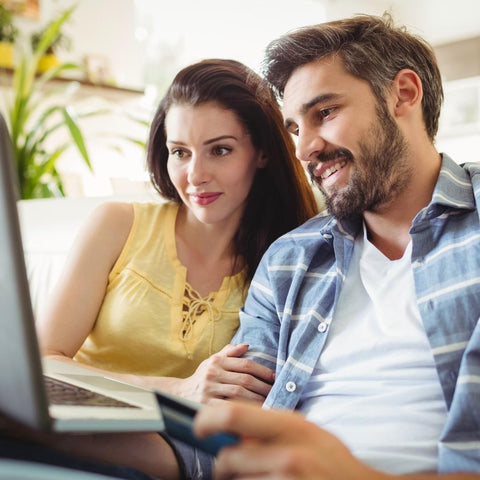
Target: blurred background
<point x="127" y="52"/>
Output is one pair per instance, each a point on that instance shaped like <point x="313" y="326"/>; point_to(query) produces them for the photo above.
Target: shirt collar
<point x="454" y="186"/>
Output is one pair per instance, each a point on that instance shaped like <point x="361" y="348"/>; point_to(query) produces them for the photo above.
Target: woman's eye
<point x="221" y="151"/>
<point x="176" y="152"/>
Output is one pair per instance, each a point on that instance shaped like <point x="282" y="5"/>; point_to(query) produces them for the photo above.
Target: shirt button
<point x="322" y="327"/>
<point x="290" y="386"/>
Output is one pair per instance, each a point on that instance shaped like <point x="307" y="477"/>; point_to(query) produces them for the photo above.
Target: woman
<point x="152" y="290"/>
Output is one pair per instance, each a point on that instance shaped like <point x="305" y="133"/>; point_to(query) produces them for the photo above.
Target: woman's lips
<point x="204" y="198"/>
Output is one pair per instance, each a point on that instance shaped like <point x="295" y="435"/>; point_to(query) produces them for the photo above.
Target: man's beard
<point x="380" y="171"/>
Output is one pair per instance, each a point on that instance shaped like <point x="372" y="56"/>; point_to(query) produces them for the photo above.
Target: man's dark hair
<point x="371" y="48"/>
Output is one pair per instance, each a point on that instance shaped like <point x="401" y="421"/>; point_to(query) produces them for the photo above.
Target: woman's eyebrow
<point x="206" y="142"/>
<point x="221" y="137"/>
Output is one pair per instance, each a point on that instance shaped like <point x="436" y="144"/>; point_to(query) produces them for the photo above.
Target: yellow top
<point x="152" y="322"/>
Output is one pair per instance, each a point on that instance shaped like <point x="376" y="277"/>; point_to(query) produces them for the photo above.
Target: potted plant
<point x="49" y="59"/>
<point x="33" y="121"/>
<point x="8" y="35"/>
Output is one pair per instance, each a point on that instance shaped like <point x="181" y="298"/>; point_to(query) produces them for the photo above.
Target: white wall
<point x="181" y="31"/>
<point x="143" y="39"/>
<point x="105" y="28"/>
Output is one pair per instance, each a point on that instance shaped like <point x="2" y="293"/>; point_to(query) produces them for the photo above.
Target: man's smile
<point x="332" y="169"/>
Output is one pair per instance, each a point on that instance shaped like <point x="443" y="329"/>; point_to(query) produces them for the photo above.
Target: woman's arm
<point x="79" y="293"/>
<point x="78" y="297"/>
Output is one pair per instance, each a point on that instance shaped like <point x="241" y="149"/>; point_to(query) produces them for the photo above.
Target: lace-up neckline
<point x="194" y="305"/>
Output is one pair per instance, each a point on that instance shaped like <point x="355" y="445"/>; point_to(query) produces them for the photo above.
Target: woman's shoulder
<point x="151" y="215"/>
<point x="118" y="221"/>
<point x="154" y="208"/>
<point x="114" y="214"/>
<point x="111" y="221"/>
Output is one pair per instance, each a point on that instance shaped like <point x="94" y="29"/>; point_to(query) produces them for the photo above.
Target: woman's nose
<point x="197" y="171"/>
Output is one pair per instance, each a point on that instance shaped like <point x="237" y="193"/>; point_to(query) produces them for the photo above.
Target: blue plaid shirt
<point x="295" y="291"/>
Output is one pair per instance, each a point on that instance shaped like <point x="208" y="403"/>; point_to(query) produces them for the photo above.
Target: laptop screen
<point x="22" y="394"/>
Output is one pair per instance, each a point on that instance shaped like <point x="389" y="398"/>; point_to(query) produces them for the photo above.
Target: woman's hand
<point x="224" y="375"/>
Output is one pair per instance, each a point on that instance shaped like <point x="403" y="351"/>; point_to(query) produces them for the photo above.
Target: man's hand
<point x="277" y="444"/>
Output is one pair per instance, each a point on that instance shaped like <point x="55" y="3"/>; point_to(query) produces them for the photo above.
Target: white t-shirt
<point x="375" y="385"/>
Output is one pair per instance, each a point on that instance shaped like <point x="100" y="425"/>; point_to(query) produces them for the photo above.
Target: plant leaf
<point x="76" y="134"/>
<point x="55" y="72"/>
<point x="51" y="34"/>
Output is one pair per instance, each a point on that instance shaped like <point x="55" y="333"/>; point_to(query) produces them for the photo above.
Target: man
<point x="369" y="315"/>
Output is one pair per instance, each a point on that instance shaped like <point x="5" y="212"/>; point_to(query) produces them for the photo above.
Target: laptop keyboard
<point x="62" y="393"/>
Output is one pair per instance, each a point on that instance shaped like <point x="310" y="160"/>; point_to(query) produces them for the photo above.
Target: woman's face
<point x="211" y="161"/>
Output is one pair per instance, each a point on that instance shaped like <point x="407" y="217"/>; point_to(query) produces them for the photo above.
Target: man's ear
<point x="407" y="92"/>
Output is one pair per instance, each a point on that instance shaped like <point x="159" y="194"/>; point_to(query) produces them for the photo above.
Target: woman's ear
<point x="262" y="160"/>
<point x="407" y="92"/>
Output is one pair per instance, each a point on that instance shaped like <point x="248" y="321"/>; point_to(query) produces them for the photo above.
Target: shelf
<point x="84" y="82"/>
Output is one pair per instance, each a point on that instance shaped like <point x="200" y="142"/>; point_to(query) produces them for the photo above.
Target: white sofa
<point x="48" y="229"/>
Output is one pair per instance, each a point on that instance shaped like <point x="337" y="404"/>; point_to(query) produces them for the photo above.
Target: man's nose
<point x="309" y="145"/>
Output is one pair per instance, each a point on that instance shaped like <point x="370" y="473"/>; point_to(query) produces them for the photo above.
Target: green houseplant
<point x="34" y="121"/>
<point x="49" y="58"/>
<point x="8" y="35"/>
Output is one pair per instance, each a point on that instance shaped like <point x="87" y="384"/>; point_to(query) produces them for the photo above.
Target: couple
<point x="364" y="320"/>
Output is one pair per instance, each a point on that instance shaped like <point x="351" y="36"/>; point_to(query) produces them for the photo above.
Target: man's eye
<point x="292" y="129"/>
<point x="326" y="112"/>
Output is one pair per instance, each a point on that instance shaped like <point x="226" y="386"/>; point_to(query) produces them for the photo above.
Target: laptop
<point x="107" y="405"/>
